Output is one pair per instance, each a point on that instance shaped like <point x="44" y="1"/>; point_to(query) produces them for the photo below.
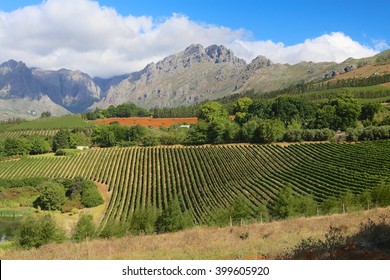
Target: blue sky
<point x="285" y="31"/>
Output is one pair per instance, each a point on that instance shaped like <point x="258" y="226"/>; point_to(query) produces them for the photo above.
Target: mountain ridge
<point x="192" y="75"/>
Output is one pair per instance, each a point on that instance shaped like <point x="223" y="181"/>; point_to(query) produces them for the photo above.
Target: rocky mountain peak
<point x="11" y="66"/>
<point x="221" y="54"/>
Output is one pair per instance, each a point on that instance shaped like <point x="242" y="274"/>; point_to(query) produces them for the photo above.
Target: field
<point x="265" y="241"/>
<point x="211" y="177"/>
<point x="148" y="121"/>
<point x="52" y="123"/>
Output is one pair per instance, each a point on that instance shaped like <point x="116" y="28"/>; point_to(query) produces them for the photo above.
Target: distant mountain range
<point x="190" y="76"/>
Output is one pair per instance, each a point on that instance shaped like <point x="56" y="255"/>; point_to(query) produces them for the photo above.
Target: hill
<point x="263" y="241"/>
<point x="210" y="178"/>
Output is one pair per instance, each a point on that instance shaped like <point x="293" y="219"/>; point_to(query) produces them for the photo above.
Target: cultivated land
<point x="264" y="241"/>
<point x="212" y="177"/>
<point x="148" y="121"/>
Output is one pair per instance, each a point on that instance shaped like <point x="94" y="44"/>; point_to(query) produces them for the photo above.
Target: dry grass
<point x="264" y="241"/>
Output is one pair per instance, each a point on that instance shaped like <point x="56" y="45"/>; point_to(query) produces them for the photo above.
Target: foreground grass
<point x="256" y="241"/>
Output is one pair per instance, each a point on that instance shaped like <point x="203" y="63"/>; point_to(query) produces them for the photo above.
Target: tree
<point x="103" y="136"/>
<point x="45" y="114"/>
<point x="16" y="146"/>
<point x="144" y="220"/>
<point x="90" y="196"/>
<point x="197" y="134"/>
<point x="52" y="196"/>
<point x="241" y="109"/>
<point x="212" y="111"/>
<point x="248" y="130"/>
<point x="85" y="228"/>
<point x="347" y="111"/>
<point x="240" y="210"/>
<point x="284" y="204"/>
<point x="369" y="110"/>
<point x="38" y="145"/>
<point x="35" y="232"/>
<point x="173" y="218"/>
<point x="61" y="140"/>
<point x="269" y="131"/>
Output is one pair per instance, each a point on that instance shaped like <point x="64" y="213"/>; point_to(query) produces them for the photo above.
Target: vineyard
<point x="211" y="177"/>
<point x="19" y="133"/>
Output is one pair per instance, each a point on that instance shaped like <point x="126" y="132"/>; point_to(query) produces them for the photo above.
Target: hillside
<point x="264" y="241"/>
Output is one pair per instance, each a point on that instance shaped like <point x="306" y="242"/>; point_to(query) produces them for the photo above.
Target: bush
<point x="60" y="153"/>
<point x="84" y="229"/>
<point x="35" y="232"/>
<point x="90" y="196"/>
<point x="52" y="196"/>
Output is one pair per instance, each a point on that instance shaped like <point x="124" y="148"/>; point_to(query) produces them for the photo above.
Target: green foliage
<point x="16" y="146"/>
<point x="173" y="218"/>
<point x="144" y="220"/>
<point x="35" y="232"/>
<point x="347" y="110"/>
<point x="84" y="229"/>
<point x="380" y="194"/>
<point x="240" y="210"/>
<point x="212" y="111"/>
<point x="113" y="229"/>
<point x="269" y="131"/>
<point x="52" y="196"/>
<point x="248" y="130"/>
<point x="369" y="110"/>
<point x="197" y="134"/>
<point x="90" y="196"/>
<point x="45" y="114"/>
<point x="38" y="145"/>
<point x="287" y="205"/>
<point x="241" y="109"/>
<point x="61" y="140"/>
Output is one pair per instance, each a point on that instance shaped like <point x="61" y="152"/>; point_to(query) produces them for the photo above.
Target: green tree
<point x="84" y="229"/>
<point x="240" y="210"/>
<point x="90" y="196"/>
<point x="38" y="145"/>
<point x="45" y="114"/>
<point x="61" y="140"/>
<point x="347" y="111"/>
<point x="212" y="111"/>
<point x="241" y="109"/>
<point x="369" y="110"/>
<point x="52" y="196"/>
<point x="284" y="204"/>
<point x="269" y="131"/>
<point x="35" y="232"/>
<point x="144" y="220"/>
<point x="16" y="146"/>
<point x="103" y="136"/>
<point x="173" y="218"/>
<point x="197" y="134"/>
<point x="248" y="130"/>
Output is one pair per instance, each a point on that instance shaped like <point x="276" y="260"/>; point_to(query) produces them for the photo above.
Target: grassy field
<point x="52" y="123"/>
<point x="264" y="241"/>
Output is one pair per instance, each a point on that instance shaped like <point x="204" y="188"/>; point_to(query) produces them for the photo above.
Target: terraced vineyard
<point x="209" y="177"/>
<point x="18" y="133"/>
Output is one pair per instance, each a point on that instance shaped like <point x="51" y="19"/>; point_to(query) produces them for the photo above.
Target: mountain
<point x="27" y="92"/>
<point x="198" y="73"/>
<point x="190" y="76"/>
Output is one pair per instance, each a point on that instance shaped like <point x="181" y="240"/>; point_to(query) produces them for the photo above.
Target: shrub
<point x="85" y="228"/>
<point x="52" y="196"/>
<point x="90" y="196"/>
<point x="35" y="232"/>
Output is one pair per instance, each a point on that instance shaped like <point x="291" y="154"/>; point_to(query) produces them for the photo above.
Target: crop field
<point x="147" y="121"/>
<point x="52" y="123"/>
<point x="18" y="133"/>
<point x="211" y="177"/>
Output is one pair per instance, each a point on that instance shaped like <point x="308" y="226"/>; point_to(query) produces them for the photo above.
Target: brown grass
<point x="264" y="241"/>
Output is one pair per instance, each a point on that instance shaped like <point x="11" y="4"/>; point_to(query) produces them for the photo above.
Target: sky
<point x="105" y="38"/>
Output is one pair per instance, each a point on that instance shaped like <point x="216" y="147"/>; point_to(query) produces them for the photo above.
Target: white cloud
<point x="81" y="34"/>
